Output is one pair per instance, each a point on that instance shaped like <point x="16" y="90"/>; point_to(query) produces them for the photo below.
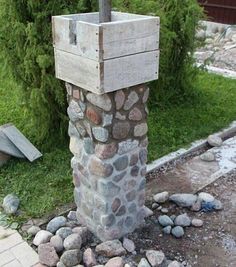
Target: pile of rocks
<point x="175" y="224"/>
<point x="64" y="243"/>
<point x="213" y="141"/>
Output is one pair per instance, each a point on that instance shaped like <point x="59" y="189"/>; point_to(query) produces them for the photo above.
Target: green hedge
<point x="26" y="44"/>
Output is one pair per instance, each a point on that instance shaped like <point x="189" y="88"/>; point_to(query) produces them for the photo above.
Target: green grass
<point x="46" y="184"/>
<point x="173" y="127"/>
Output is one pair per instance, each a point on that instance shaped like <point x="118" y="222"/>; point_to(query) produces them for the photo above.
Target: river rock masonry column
<point x="105" y="67"/>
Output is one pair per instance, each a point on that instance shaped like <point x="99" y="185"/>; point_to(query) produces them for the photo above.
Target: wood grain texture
<point x="78" y="70"/>
<point x="131" y="70"/>
<point x="21" y="142"/>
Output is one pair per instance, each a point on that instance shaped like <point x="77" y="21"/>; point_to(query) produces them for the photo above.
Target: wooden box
<point x="109" y="56"/>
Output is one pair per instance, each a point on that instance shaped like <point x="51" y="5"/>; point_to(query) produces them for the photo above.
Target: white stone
<point x="107" y="119"/>
<point x="155" y="257"/>
<point x="183" y="200"/>
<point x="197" y="222"/>
<point x="101" y="101"/>
<point x="42" y="237"/>
<point x="101" y="134"/>
<point x="174" y="264"/>
<point x="183" y="220"/>
<point x="127" y="146"/>
<point x="33" y="230"/>
<point x="214" y="140"/>
<point x="207" y="156"/>
<point x="132" y="99"/>
<point x="206" y="197"/>
<point x="73" y="241"/>
<point x="161" y="197"/>
<point x="144" y="263"/>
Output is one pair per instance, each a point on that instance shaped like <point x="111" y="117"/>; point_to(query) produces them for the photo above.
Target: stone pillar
<point x="108" y="138"/>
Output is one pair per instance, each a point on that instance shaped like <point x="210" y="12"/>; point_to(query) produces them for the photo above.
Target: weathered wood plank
<point x="131" y="70"/>
<point x="21" y="142"/>
<point x="78" y="70"/>
<point x="130" y="37"/>
<point x="104" y="11"/>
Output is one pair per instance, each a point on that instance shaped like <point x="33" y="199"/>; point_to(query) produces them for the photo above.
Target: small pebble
<point x="197" y="222"/>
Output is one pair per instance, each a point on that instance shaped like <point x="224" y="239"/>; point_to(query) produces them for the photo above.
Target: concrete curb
<point x="195" y="146"/>
<point x="223" y="72"/>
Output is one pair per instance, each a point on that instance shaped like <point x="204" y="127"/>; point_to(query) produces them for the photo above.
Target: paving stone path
<point x="14" y="251"/>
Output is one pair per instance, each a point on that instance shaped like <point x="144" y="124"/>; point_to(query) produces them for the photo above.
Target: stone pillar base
<point x="109" y="143"/>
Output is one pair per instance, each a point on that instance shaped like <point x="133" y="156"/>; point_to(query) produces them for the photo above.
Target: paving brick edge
<point x="195" y="146"/>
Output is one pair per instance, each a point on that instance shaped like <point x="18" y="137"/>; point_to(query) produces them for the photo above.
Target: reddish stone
<point x="48" y="255"/>
<point x="119" y="99"/>
<point x="121" y="130"/>
<point x="135" y="114"/>
<point x="99" y="168"/>
<point x="105" y="151"/>
<point x="76" y="94"/>
<point x="115" y="262"/>
<point x="93" y="115"/>
<point x="89" y="258"/>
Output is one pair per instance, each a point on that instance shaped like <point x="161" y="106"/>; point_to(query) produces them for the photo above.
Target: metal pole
<point x="104" y="11"/>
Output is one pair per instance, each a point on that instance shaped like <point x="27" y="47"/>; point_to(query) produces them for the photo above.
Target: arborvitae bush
<point x="26" y="46"/>
<point x="179" y="19"/>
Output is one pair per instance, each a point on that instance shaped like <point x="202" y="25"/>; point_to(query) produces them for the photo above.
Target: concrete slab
<point x="195" y="174"/>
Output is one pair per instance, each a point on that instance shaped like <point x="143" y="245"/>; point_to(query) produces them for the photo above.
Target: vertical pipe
<point x="104" y="11"/>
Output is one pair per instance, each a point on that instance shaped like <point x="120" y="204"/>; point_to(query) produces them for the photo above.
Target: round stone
<point x="134" y="171"/>
<point x="131" y="195"/>
<point x="101" y="134"/>
<point x="183" y="220"/>
<point x="42" y="237"/>
<point x="161" y="197"/>
<point x="119" y="99"/>
<point x="207" y="156"/>
<point x="177" y="231"/>
<point x="128" y="245"/>
<point x="121" y="211"/>
<point x="93" y="115"/>
<point x="33" y="230"/>
<point x="206" y="197"/>
<point x="57" y="242"/>
<point x="56" y="223"/>
<point x="121" y="163"/>
<point x="64" y="232"/>
<point x="217" y="204"/>
<point x="197" y="222"/>
<point x="48" y="255"/>
<point x="11" y="204"/>
<point x="115" y="262"/>
<point x="155" y="258"/>
<point x="167" y="230"/>
<point x="101" y="101"/>
<point x="120" y="130"/>
<point x="214" y="141"/>
<point x="140" y="129"/>
<point x="71" y="257"/>
<point x="165" y="220"/>
<point x="74" y="111"/>
<point x="105" y="151"/>
<point x="183" y="200"/>
<point x="135" y="115"/>
<point x="72" y="241"/>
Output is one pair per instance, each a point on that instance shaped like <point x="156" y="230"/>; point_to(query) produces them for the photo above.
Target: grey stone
<point x="108" y="189"/>
<point x="72" y="241"/>
<point x="57" y="242"/>
<point x="183" y="220"/>
<point x="89" y="258"/>
<point x="119" y="116"/>
<point x="101" y="134"/>
<point x="33" y="230"/>
<point x="119" y="99"/>
<point x="144" y="263"/>
<point x="60" y="264"/>
<point x="177" y="231"/>
<point x="101" y="101"/>
<point x="146" y="95"/>
<point x="164" y="210"/>
<point x="132" y="208"/>
<point x="128" y="245"/>
<point x="134" y="171"/>
<point x="80" y="128"/>
<point x="167" y="230"/>
<point x="173" y="217"/>
<point x="207" y="156"/>
<point x="97" y="167"/>
<point x="134" y="159"/>
<point x="217" y="204"/>
<point x="72" y="215"/>
<point x="161" y="197"/>
<point x="105" y="151"/>
<point x="143" y="156"/>
<point x="71" y="257"/>
<point x="69" y="88"/>
<point x="121" y="211"/>
<point x="142" y="184"/>
<point x="64" y="232"/>
<point x="83" y="232"/>
<point x="56" y="223"/>
<point x="165" y="220"/>
<point x="108" y="220"/>
<point x="110" y="249"/>
<point x="135" y="115"/>
<point x="121" y="163"/>
<point x="107" y="119"/>
<point x="72" y="130"/>
<point x="131" y="195"/>
<point x="129" y="222"/>
<point x="197" y="222"/>
<point x="175" y="264"/>
<point x="127" y="146"/>
<point x="183" y="200"/>
<point x="116" y="204"/>
<point x="47" y="255"/>
<point x="155" y="257"/>
<point x="206" y="197"/>
<point x="197" y="205"/>
<point x="120" y="130"/>
<point x="11" y="204"/>
<point x="88" y="145"/>
<point x="132" y="99"/>
<point x="74" y="111"/>
<point x="42" y="237"/>
<point x="119" y="177"/>
<point x="147" y="212"/>
<point x="115" y="262"/>
<point x="140" y="129"/>
<point x="214" y="141"/>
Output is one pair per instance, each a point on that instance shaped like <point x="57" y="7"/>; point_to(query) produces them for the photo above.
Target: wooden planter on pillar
<point x="105" y="67"/>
